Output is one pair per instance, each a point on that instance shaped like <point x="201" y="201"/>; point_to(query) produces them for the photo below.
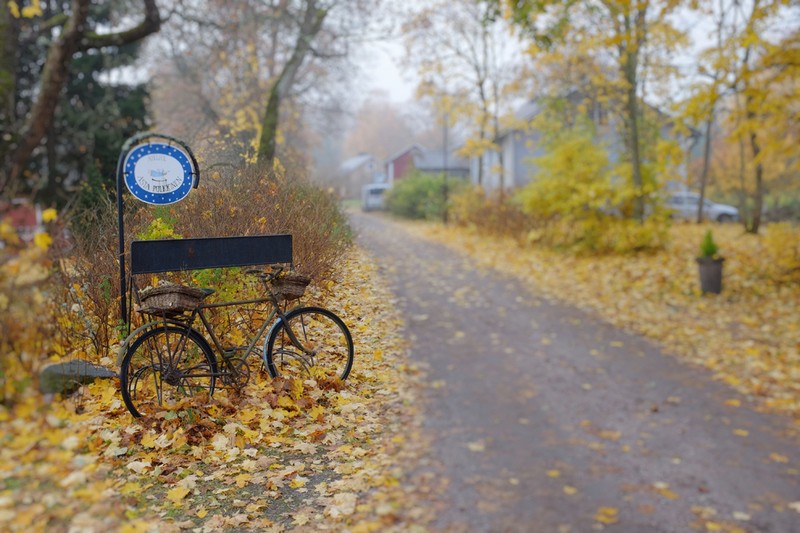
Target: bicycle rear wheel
<point x="326" y="346"/>
<point x="164" y="366"/>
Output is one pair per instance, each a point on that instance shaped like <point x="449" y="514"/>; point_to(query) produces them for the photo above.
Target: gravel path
<point x="544" y="418"/>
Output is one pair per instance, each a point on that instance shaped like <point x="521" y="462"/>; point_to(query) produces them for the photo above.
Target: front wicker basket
<point x="170" y="299"/>
<point x="290" y="286"/>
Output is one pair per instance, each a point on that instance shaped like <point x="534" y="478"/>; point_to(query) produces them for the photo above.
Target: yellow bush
<point x="491" y="215"/>
<point x="26" y="312"/>
<point x="579" y="202"/>
<point x="782" y="246"/>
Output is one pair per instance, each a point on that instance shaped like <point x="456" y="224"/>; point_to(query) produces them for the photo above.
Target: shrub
<point x="421" y="196"/>
<point x="708" y="248"/>
<point x="578" y="201"/>
<point x="782" y="246"/>
<point x="26" y="310"/>
<point x="494" y="214"/>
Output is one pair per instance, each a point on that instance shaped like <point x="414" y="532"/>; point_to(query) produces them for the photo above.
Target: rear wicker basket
<point x="290" y="286"/>
<point x="170" y="299"/>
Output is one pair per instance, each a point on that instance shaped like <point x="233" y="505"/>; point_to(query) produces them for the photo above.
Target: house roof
<point x="432" y="160"/>
<point x="410" y="148"/>
<point x="354" y="163"/>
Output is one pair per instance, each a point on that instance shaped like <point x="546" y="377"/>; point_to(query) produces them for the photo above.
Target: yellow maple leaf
<point x="177" y="494"/>
<point x="315" y="412"/>
<point x="553" y="473"/>
<point x="607" y="515"/>
<point x="130" y="488"/>
<point x="285" y="401"/>
<point x="149" y="440"/>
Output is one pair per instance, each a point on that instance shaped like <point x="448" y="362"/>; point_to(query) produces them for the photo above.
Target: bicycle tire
<point x="319" y="329"/>
<point x="176" y="360"/>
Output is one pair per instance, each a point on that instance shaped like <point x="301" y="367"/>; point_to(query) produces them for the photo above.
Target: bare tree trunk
<point x="758" y="194"/>
<point x="310" y="26"/>
<point x="706" y="164"/>
<point x="630" y="54"/>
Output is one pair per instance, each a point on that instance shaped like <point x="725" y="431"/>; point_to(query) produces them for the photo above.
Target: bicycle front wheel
<point x="164" y="366"/>
<point x="324" y="345"/>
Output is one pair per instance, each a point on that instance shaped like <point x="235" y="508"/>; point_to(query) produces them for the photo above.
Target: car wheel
<point x="724" y="219"/>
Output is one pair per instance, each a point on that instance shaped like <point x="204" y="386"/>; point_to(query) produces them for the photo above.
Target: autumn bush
<point x="782" y="247"/>
<point x="257" y="201"/>
<point x="579" y="201"/>
<point x="493" y="214"/>
<point x="421" y="196"/>
<point x="27" y="310"/>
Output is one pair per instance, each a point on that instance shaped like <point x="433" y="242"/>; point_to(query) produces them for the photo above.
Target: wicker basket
<point x="170" y="299"/>
<point x="290" y="286"/>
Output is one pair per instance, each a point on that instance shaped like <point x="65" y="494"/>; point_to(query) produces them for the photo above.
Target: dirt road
<point x="544" y="418"/>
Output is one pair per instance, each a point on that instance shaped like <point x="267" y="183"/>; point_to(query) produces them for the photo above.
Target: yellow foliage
<point x="49" y="215"/>
<point x="43" y="240"/>
<point x="578" y="201"/>
<point x="782" y="244"/>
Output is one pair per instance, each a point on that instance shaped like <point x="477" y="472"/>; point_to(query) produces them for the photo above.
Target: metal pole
<point x="123" y="305"/>
<point x="444" y="158"/>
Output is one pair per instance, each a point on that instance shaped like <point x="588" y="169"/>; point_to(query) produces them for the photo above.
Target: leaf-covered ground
<point x="283" y="455"/>
<point x="749" y="334"/>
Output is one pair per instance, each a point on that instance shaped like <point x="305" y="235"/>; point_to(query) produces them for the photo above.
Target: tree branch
<point x="150" y="25"/>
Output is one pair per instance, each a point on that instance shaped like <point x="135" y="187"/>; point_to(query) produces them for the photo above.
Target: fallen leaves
<point x="283" y="452"/>
<point x="607" y="515"/>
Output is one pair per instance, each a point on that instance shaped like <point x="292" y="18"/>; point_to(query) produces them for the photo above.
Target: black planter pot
<point x="710" y="274"/>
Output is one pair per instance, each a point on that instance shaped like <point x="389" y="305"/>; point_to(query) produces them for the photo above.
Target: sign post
<point x="156" y="169"/>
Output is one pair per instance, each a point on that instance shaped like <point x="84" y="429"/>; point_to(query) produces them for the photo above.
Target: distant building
<point x="355" y="173"/>
<point x="522" y="144"/>
<point x="416" y="158"/>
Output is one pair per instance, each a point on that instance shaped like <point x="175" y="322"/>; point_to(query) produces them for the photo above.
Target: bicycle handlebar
<point x="264" y="275"/>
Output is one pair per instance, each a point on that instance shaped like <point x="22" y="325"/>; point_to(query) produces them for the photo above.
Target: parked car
<point x="372" y="196"/>
<point x="684" y="205"/>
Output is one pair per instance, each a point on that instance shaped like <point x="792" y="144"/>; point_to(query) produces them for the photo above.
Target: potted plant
<point x="710" y="265"/>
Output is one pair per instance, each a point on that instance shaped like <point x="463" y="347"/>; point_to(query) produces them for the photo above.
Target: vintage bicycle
<point x="168" y="360"/>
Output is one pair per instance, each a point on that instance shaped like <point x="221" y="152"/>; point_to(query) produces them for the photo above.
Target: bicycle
<point x="167" y="360"/>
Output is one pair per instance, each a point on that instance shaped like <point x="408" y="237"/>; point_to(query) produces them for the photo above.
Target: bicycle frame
<point x="217" y="345"/>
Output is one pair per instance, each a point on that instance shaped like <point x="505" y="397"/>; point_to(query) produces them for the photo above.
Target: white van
<point x="372" y="196"/>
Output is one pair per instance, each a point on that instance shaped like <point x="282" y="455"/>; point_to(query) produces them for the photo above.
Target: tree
<point x="309" y="26"/>
<point x="249" y="71"/>
<point x="749" y="79"/>
<point x="72" y="35"/>
<point x="636" y="36"/>
<point x="464" y="60"/>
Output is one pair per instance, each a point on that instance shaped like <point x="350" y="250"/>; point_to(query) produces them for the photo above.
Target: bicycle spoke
<point x="165" y="366"/>
<point x="310" y="341"/>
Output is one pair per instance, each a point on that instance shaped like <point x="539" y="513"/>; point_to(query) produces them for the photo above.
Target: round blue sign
<point x="158" y="173"/>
